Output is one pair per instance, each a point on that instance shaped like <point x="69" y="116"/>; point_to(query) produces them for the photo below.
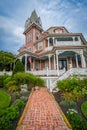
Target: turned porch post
<point x="76" y="60"/>
<point x="25" y="62"/>
<point x="57" y="61"/>
<point x="49" y="62"/>
<point x="54" y="63"/>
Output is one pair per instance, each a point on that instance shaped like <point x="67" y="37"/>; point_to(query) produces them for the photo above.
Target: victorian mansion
<point x="53" y="51"/>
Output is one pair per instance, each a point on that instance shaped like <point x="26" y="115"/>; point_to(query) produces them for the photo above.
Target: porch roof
<point x="50" y="52"/>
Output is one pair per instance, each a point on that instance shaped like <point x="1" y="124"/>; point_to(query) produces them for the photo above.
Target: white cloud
<point x="13" y="31"/>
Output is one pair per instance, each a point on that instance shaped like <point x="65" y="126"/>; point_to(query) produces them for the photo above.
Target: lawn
<point x="5" y="99"/>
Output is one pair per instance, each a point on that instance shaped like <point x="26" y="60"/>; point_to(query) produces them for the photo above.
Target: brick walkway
<point x="42" y="113"/>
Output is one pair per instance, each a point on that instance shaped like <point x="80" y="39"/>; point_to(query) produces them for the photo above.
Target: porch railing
<point x="6" y="72"/>
<point x="47" y="72"/>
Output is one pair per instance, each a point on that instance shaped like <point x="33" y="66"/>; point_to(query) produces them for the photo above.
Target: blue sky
<point x="13" y="13"/>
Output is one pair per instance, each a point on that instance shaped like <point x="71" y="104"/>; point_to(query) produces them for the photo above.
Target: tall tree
<point x="19" y="67"/>
<point x="6" y="60"/>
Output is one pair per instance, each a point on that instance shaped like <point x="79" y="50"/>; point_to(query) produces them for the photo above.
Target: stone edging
<point x="63" y="115"/>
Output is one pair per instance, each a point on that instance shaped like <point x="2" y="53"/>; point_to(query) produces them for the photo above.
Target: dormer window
<point x="37" y="35"/>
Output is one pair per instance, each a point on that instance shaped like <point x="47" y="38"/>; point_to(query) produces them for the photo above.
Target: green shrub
<point x="13" y="88"/>
<point x="5" y="123"/>
<point x="6" y="82"/>
<point x="68" y="84"/>
<point x="64" y="103"/>
<point x="19" y="67"/>
<point x="76" y="121"/>
<point x="9" y="115"/>
<point x="84" y="108"/>
<point x="19" y="103"/>
<point x="39" y="82"/>
<point x="73" y="104"/>
<point x="16" y="94"/>
<point x="5" y="99"/>
<point x="68" y="96"/>
<point x="22" y="78"/>
<point x="1" y="81"/>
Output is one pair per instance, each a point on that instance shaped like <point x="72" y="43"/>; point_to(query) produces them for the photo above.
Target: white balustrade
<point x="47" y="72"/>
<point x="67" y="43"/>
<point x="48" y="48"/>
<point x="6" y="72"/>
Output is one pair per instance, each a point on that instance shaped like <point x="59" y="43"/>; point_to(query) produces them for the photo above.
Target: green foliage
<point x="6" y="60"/>
<point x="13" y="88"/>
<point x="68" y="96"/>
<point x="84" y="108"/>
<point x="2" y="79"/>
<point x="68" y="84"/>
<point x="76" y="121"/>
<point x="16" y="94"/>
<point x="5" y="123"/>
<point x="6" y="82"/>
<point x="73" y="104"/>
<point x="64" y="103"/>
<point x="5" y="99"/>
<point x="19" y="67"/>
<point x="73" y="88"/>
<point x="29" y="79"/>
<point x="39" y="82"/>
<point x="10" y="114"/>
<point x="19" y="103"/>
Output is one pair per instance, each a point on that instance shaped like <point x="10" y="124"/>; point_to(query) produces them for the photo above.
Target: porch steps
<point x="67" y="74"/>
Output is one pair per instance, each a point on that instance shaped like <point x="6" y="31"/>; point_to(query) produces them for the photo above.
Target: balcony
<point x="67" y="43"/>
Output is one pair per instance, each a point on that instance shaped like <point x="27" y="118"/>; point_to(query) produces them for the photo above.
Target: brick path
<point x="42" y="113"/>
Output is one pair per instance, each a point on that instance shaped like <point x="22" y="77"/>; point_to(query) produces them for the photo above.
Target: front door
<point x="62" y="64"/>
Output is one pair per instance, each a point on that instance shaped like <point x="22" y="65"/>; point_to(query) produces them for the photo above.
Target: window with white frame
<point x="37" y="35"/>
<point x="29" y="49"/>
<point x="29" y="37"/>
<point x="40" y="46"/>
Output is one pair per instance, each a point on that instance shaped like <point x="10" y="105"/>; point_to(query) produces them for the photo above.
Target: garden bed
<point x="66" y="106"/>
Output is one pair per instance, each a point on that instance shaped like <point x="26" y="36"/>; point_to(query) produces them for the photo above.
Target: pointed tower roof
<point x="33" y="20"/>
<point x="33" y="16"/>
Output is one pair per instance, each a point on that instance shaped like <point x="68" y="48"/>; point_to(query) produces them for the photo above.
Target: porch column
<point x="76" y="61"/>
<point x="48" y="41"/>
<point x="49" y="62"/>
<point x="53" y="41"/>
<point x="83" y="61"/>
<point x="25" y="62"/>
<point x="40" y="64"/>
<point x="33" y="64"/>
<point x="54" y="63"/>
<point x="57" y="61"/>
